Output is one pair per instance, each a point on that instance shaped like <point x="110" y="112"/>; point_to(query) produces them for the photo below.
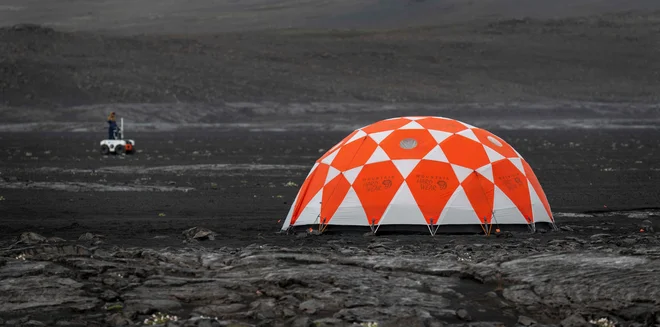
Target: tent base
<point x="423" y="229"/>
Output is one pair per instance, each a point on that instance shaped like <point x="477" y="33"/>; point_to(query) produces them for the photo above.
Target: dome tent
<point x="431" y="174"/>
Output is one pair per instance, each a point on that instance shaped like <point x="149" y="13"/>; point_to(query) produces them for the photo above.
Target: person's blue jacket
<point x="112" y="126"/>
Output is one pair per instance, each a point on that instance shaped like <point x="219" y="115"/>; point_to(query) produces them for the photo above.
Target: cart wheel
<point x="105" y="150"/>
<point x="119" y="149"/>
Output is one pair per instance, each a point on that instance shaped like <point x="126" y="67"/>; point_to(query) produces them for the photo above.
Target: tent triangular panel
<point x="461" y="172"/>
<point x="540" y="214"/>
<point x="439" y="136"/>
<point x="352" y="174"/>
<point x="458" y="210"/>
<point x="328" y="160"/>
<point x="469" y="134"/>
<point x="403" y="210"/>
<point x="412" y="125"/>
<point x="405" y="166"/>
<point x="518" y="163"/>
<point x="380" y="136"/>
<point x="310" y="214"/>
<point x="493" y="155"/>
<point x="360" y="134"/>
<point x="436" y="154"/>
<point x="505" y="211"/>
<point x="350" y="212"/>
<point x="379" y="155"/>
<point x="332" y="173"/>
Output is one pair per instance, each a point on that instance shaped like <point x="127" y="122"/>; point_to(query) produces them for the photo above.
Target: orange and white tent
<point x="431" y="172"/>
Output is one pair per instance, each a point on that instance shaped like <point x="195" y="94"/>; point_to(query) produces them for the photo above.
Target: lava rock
<point x="574" y="320"/>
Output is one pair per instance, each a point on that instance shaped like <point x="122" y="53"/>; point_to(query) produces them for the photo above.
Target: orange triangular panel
<point x="514" y="184"/>
<point x="481" y="193"/>
<point x="375" y="186"/>
<point x="537" y="187"/>
<point x="310" y="187"/>
<point x="354" y="154"/>
<point x="432" y="184"/>
<point x="333" y="194"/>
<point x="465" y="152"/>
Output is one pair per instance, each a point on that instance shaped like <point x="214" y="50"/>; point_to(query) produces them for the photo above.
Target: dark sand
<point x="225" y="114"/>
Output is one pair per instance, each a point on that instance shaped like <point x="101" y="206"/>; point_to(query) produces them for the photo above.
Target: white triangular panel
<point x="350" y="211"/>
<point x="505" y="211"/>
<point x="436" y="154"/>
<point x="538" y="209"/>
<point x="461" y="172"/>
<point x="378" y="156"/>
<point x="403" y="209"/>
<point x="439" y="136"/>
<point x="518" y="163"/>
<point x="332" y="173"/>
<point x="469" y="134"/>
<point x="415" y="117"/>
<point x="352" y="174"/>
<point x="487" y="171"/>
<point x="310" y="213"/>
<point x="289" y="215"/>
<point x="405" y="166"/>
<point x="328" y="160"/>
<point x="412" y="125"/>
<point x="380" y="136"/>
<point x="492" y="154"/>
<point x="459" y="211"/>
<point x="360" y="134"/>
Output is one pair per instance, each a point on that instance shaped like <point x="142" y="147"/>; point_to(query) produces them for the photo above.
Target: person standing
<point x="112" y="126"/>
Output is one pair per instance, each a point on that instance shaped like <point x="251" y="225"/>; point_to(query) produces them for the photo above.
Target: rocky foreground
<point x="560" y="278"/>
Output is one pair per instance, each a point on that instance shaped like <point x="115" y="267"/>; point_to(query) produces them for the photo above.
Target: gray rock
<point x="463" y="315"/>
<point x="492" y="295"/>
<point x="526" y="321"/>
<point x="148" y="306"/>
<point x="574" y="321"/>
<point x="31" y="238"/>
<point x="301" y="322"/>
<point x="90" y="237"/>
<point x="520" y="295"/>
<point x="328" y="322"/>
<point x="199" y="234"/>
<point x="220" y="310"/>
<point x="311" y="306"/>
<point x="118" y="319"/>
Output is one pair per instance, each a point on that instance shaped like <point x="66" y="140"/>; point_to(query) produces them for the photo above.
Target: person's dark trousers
<point x="111" y="133"/>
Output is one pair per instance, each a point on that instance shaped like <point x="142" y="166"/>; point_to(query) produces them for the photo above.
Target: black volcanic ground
<point x="225" y="114"/>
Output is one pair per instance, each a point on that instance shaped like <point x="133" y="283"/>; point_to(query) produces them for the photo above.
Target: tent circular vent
<point x="408" y="143"/>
